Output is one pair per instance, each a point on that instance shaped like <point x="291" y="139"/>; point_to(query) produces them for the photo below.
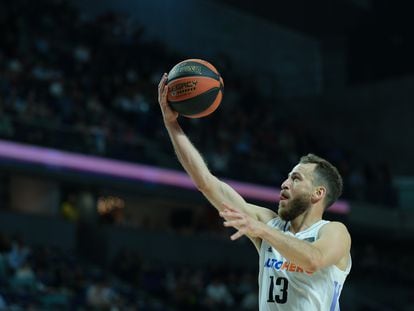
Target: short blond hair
<point x="326" y="175"/>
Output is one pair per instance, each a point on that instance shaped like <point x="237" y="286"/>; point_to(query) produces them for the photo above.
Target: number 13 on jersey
<point x="278" y="290"/>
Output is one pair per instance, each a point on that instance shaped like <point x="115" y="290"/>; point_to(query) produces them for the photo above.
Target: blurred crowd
<point x="89" y="85"/>
<point x="49" y="278"/>
<point x="46" y="278"/>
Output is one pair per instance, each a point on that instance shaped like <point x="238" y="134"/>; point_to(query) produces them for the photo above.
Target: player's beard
<point x="295" y="207"/>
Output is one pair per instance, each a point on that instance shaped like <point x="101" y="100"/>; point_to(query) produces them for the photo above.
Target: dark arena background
<point x="96" y="212"/>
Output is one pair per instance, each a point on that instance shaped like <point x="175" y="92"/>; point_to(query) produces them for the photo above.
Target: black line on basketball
<point x="196" y="104"/>
<point x="193" y="69"/>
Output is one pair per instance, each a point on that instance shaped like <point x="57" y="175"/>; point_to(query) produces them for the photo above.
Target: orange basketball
<point x="195" y="88"/>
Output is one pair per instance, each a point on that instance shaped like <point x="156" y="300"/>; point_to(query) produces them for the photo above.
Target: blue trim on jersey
<point x="284" y="227"/>
<point x="337" y="290"/>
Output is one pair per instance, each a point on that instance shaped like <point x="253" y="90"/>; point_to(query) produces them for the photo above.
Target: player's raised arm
<point x="213" y="189"/>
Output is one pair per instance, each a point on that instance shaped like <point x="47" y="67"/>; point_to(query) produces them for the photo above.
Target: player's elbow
<point x="314" y="262"/>
<point x="312" y="267"/>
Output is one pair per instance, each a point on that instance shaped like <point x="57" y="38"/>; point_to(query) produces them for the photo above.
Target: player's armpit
<point x="333" y="244"/>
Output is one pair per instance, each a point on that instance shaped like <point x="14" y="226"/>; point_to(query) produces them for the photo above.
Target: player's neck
<point x="305" y="220"/>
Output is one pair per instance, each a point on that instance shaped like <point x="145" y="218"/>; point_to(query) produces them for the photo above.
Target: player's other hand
<point x="168" y="114"/>
<point x="243" y="223"/>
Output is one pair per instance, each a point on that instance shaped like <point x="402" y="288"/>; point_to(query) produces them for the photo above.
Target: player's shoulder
<point x="336" y="225"/>
<point x="335" y="228"/>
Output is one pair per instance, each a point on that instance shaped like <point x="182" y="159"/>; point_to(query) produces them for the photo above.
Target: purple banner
<point x="114" y="168"/>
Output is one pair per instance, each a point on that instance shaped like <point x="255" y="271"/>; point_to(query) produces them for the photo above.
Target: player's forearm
<point x="188" y="156"/>
<point x="302" y="253"/>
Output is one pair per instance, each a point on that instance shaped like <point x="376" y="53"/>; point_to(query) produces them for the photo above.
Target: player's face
<point x="295" y="196"/>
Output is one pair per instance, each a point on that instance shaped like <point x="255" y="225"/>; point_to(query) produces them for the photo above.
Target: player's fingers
<point x="227" y="209"/>
<point x="163" y="98"/>
<point x="229" y="218"/>
<point x="237" y="235"/>
<point x="161" y="86"/>
<point x="162" y="81"/>
<point x="234" y="223"/>
<point x="231" y="214"/>
<point x="228" y="223"/>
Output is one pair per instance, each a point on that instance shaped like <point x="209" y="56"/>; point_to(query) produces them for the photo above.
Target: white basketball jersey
<point x="285" y="286"/>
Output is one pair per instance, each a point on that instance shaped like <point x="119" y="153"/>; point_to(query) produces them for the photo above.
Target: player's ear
<point x="318" y="194"/>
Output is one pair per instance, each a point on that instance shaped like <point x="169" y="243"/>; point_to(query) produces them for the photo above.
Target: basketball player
<point x="304" y="260"/>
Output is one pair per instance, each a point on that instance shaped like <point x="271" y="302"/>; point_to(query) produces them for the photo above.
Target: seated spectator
<point x="18" y="253"/>
<point x="101" y="295"/>
<point x="218" y="295"/>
